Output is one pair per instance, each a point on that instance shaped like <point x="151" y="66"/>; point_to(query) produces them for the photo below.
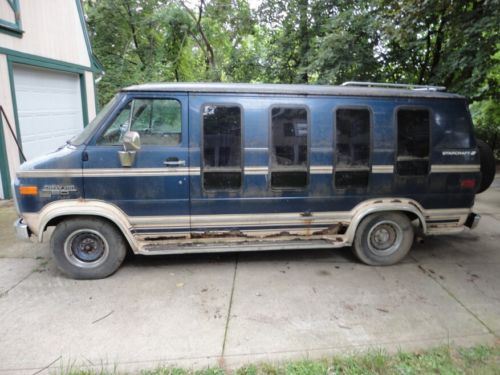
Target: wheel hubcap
<point x="385" y="238"/>
<point x="86" y="248"/>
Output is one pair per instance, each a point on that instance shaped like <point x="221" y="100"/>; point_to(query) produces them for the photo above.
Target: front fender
<point x="37" y="222"/>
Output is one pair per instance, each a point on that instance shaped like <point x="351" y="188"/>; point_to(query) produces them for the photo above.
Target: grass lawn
<point x="443" y="360"/>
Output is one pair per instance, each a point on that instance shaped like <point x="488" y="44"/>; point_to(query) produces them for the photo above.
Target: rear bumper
<point x="472" y="220"/>
<point x="22" y="230"/>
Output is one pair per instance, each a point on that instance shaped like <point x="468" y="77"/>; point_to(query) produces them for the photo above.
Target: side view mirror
<point x="131" y="144"/>
<point x="131" y="141"/>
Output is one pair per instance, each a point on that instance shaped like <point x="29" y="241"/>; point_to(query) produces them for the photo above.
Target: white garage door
<point x="49" y="108"/>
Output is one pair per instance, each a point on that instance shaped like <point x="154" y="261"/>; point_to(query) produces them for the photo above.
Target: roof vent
<point x="395" y="86"/>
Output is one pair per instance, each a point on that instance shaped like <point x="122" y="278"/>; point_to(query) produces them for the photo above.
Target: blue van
<point x="191" y="168"/>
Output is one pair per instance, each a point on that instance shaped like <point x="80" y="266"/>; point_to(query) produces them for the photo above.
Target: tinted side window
<point x="289" y="153"/>
<point x="413" y="142"/>
<point x="458" y="129"/>
<point x="222" y="147"/>
<point x="352" y="148"/>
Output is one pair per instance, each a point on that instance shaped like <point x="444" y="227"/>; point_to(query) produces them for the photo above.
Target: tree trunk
<point x="304" y="40"/>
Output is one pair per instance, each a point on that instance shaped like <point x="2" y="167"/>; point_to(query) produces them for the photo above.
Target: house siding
<point x="51" y="29"/>
<point x="53" y="36"/>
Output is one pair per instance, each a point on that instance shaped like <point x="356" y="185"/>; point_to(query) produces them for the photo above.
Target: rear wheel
<point x="88" y="248"/>
<point x="488" y="165"/>
<point x="383" y="239"/>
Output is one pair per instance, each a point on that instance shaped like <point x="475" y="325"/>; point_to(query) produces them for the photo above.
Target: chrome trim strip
<point x="321" y="169"/>
<point x="455" y="168"/>
<point x="108" y="172"/>
<point x="382" y="168"/>
<point x="136" y="172"/>
<point x="43" y="173"/>
<point x="196" y="171"/>
<point x="256" y="170"/>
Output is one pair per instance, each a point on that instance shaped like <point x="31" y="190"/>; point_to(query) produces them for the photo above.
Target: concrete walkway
<point x="231" y="309"/>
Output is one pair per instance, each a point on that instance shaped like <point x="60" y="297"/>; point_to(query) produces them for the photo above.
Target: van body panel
<point x="57" y="175"/>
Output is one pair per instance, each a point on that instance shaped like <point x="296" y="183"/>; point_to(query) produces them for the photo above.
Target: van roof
<point x="284" y="89"/>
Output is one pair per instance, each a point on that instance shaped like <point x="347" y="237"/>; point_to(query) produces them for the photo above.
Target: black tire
<point x="488" y="165"/>
<point x="88" y="248"/>
<point x="369" y="245"/>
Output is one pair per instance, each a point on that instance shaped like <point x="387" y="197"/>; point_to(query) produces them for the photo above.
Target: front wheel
<point x="383" y="239"/>
<point x="88" y="248"/>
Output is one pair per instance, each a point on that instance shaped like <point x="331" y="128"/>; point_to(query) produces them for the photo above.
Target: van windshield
<point x="79" y="139"/>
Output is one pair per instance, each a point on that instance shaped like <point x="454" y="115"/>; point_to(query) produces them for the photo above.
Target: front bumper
<point x="472" y="220"/>
<point x="22" y="230"/>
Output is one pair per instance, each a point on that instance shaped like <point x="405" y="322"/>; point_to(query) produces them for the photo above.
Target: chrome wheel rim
<point x="385" y="238"/>
<point x="86" y="248"/>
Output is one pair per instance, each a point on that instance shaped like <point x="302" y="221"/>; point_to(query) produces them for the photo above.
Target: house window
<point x="352" y="148"/>
<point x="10" y="19"/>
<point x="413" y="142"/>
<point x="289" y="153"/>
<point x="222" y="168"/>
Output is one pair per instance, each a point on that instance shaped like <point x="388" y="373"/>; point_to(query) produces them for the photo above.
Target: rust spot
<point x="280" y="234"/>
<point x="332" y="229"/>
<point x="377" y="202"/>
<point x="231" y="233"/>
<point x="396" y="201"/>
<point x="413" y="204"/>
<point x="162" y="238"/>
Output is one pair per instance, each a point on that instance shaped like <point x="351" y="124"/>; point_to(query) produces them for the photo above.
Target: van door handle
<point x="174" y="162"/>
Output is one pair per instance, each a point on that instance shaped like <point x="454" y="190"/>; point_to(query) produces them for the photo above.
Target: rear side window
<point x="352" y="168"/>
<point x="458" y="129"/>
<point x="222" y="168"/>
<point x="289" y="150"/>
<point x="413" y="146"/>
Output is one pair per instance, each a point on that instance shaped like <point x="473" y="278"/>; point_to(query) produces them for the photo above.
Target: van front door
<point x="154" y="191"/>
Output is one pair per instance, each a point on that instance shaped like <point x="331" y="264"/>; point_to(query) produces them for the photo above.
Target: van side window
<point x="114" y="133"/>
<point x="289" y="154"/>
<point x="222" y="169"/>
<point x="413" y="142"/>
<point x="158" y="122"/>
<point x="352" y="168"/>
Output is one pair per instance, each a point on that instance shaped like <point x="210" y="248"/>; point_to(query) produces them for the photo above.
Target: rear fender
<point x="384" y="205"/>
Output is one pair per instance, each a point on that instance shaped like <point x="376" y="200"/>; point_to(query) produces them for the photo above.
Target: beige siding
<point x="6" y="101"/>
<point x="6" y="12"/>
<point x="52" y="29"/>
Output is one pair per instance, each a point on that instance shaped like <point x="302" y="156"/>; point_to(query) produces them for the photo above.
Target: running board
<point x="243" y="246"/>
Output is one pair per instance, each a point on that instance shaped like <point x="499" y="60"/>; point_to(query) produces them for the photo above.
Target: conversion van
<point x="191" y="168"/>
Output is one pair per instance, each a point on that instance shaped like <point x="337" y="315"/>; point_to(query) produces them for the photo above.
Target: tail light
<point x="469" y="183"/>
